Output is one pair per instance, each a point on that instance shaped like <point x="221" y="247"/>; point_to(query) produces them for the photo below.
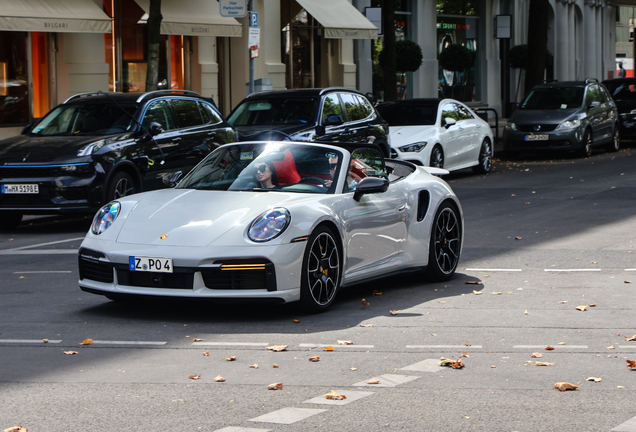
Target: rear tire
<point x="445" y="244"/>
<point x="586" y="150"/>
<point x="320" y="274"/>
<point x="9" y="220"/>
<point x="614" y="145"/>
<point x="485" y="158"/>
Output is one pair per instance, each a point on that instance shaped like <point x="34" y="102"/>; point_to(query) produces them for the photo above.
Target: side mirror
<point x="155" y="128"/>
<point x="448" y="122"/>
<point x="370" y="185"/>
<point x="26" y="129"/>
<point x="171" y="179"/>
<point x="595" y="104"/>
<point x="334" y="120"/>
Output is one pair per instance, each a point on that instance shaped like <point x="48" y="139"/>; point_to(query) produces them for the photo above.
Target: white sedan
<point x="277" y="222"/>
<point x="442" y="133"/>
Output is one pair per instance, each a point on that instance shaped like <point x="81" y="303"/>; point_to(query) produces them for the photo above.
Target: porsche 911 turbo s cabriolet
<point x="278" y="222"/>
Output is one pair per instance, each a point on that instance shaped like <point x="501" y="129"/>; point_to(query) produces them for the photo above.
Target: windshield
<point x="88" y="119"/>
<point x="275" y="111"/>
<point x="267" y="167"/>
<point x="554" y="98"/>
<point x="409" y="115"/>
<point x="622" y="90"/>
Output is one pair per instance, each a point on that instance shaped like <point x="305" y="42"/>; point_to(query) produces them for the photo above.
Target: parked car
<point x="441" y="133"/>
<point x="623" y="92"/>
<point x="275" y="222"/>
<point x="96" y="147"/>
<point x="568" y="115"/>
<point x="322" y="115"/>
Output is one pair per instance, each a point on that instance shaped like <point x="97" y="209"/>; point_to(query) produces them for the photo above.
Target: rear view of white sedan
<point x="442" y="133"/>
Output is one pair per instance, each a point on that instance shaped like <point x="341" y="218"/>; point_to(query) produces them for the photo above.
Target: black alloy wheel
<point x="437" y="157"/>
<point x="320" y="276"/>
<point x="586" y="150"/>
<point x="120" y="186"/>
<point x="485" y="158"/>
<point x="445" y="244"/>
<point x="615" y="145"/>
<point x="9" y="220"/>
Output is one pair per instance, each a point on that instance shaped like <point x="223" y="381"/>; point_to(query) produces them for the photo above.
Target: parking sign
<point x="253" y="19"/>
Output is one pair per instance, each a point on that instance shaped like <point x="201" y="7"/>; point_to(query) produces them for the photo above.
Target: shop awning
<point x="340" y="19"/>
<point x="62" y="16"/>
<point x="194" y="18"/>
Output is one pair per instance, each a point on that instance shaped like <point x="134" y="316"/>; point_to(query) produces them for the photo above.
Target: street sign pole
<point x="251" y="8"/>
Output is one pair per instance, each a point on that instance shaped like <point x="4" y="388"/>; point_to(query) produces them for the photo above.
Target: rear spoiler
<point x="436" y="171"/>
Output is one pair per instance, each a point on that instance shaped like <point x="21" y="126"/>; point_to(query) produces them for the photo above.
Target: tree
<point x="388" y="27"/>
<point x="154" y="44"/>
<point x="537" y="42"/>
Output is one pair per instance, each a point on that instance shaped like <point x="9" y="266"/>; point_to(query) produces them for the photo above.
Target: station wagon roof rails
<point x="329" y="89"/>
<point x="550" y="81"/>
<point x="80" y="95"/>
<point x="168" y="92"/>
<point x="590" y="80"/>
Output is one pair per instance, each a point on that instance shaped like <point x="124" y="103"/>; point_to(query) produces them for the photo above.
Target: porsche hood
<point x="192" y="218"/>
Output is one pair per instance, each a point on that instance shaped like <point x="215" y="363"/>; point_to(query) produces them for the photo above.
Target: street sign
<point x="253" y="19"/>
<point x="254" y="37"/>
<point x="233" y="8"/>
<point x="503" y="26"/>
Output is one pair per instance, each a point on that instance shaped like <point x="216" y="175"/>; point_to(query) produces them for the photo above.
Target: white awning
<point x="194" y="18"/>
<point x="340" y="19"/>
<point x="62" y="16"/>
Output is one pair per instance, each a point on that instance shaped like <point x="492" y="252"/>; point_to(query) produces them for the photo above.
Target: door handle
<point x="212" y="134"/>
<point x="401" y="208"/>
<point x="176" y="139"/>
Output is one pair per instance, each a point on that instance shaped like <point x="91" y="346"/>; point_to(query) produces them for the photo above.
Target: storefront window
<point x="458" y="84"/>
<point x="177" y="63"/>
<point x="305" y="40"/>
<point x="40" y="73"/>
<point x="14" y="96"/>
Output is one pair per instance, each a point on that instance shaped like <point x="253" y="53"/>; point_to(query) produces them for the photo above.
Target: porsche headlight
<point x="413" y="148"/>
<point x="105" y="217"/>
<point x="569" y="124"/>
<point x="91" y="148"/>
<point x="269" y="225"/>
<point x="510" y="126"/>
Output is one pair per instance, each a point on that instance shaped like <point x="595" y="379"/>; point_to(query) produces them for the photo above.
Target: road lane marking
<point x="37" y="341"/>
<point x="46" y="244"/>
<point x="630" y="269"/>
<point x="351" y="396"/>
<point x="105" y="342"/>
<point x="249" y="344"/>
<point x="39" y="252"/>
<point x="387" y="381"/>
<point x="241" y="429"/>
<point x="493" y="270"/>
<point x="628" y="426"/>
<point x="572" y="270"/>
<point x="555" y="346"/>
<point x="428" y="365"/>
<point x="287" y="415"/>
<point x="446" y="346"/>
<point x="43" y="271"/>
<point x="306" y="345"/>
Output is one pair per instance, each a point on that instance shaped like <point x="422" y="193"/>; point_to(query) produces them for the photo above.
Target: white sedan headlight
<point x="413" y="148"/>
<point x="510" y="126"/>
<point x="105" y="217"/>
<point x="569" y="124"/>
<point x="269" y="225"/>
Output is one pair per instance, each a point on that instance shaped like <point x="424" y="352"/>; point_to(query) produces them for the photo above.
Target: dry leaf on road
<point x="334" y="396"/>
<point x="364" y="303"/>
<point x="376" y="292"/>
<point x="353" y="368"/>
<point x="373" y="381"/>
<point x="86" y="342"/>
<point x="467" y="344"/>
<point x="526" y="312"/>
<point x="633" y="338"/>
<point x="611" y="347"/>
<point x="563" y="386"/>
<point x="275" y="366"/>
<point x="518" y="238"/>
<point x="582" y="308"/>
<point x="194" y="377"/>
<point x="70" y="352"/>
<point x="592" y="304"/>
<point x="473" y="282"/>
<point x="367" y="325"/>
<point x="536" y="355"/>
<point x="631" y="364"/>
<point x="278" y="348"/>
<point x="345" y="342"/>
<point x="219" y="378"/>
<point x="549" y="348"/>
<point x="314" y="358"/>
<point x="296" y="321"/>
<point x="197" y="340"/>
<point x="537" y="363"/>
<point x="628" y="281"/>
<point x="477" y="292"/>
<point x="275" y="386"/>
<point x="329" y="348"/>
<point x="563" y="302"/>
<point x="394" y="312"/>
<point x="496" y="293"/>
<point x="45" y="340"/>
<point x="593" y="379"/>
<point x="464" y="354"/>
<point x="15" y="428"/>
<point x="207" y="354"/>
<point x="230" y="358"/>
<point x="254" y="366"/>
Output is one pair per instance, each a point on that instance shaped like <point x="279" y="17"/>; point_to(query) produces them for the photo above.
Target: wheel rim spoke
<point x="323" y="269"/>
<point x="447" y="240"/>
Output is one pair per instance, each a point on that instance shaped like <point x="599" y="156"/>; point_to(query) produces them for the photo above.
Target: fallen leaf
<point x="493" y="366"/>
<point x="275" y="386"/>
<point x="549" y="348"/>
<point x="394" y="312"/>
<point x="86" y="342"/>
<point x="633" y="338"/>
<point x="345" y="342"/>
<point x="563" y="302"/>
<point x="207" y="354"/>
<point x="373" y="381"/>
<point x="620" y="386"/>
<point x="593" y="379"/>
<point x="367" y="325"/>
<point x="467" y="344"/>
<point x="628" y="281"/>
<point x="477" y="292"/>
<point x="631" y="364"/>
<point x="442" y="301"/>
<point x="230" y="358"/>
<point x="592" y="304"/>
<point x="376" y="292"/>
<point x="542" y="363"/>
<point x="45" y="340"/>
<point x="611" y="347"/>
<point x="536" y="355"/>
<point x="278" y="348"/>
<point x="329" y="348"/>
<point x="334" y="396"/>
<point x="457" y="364"/>
<point x="563" y="386"/>
<point x="254" y="366"/>
<point x="296" y="321"/>
<point x="275" y="366"/>
<point x="561" y="343"/>
<point x="314" y="358"/>
<point x="582" y="308"/>
<point x="353" y="368"/>
<point x="219" y="378"/>
<point x="464" y="354"/>
<point x="518" y="238"/>
<point x="495" y="293"/>
<point x="70" y="352"/>
<point x="194" y="377"/>
<point x="364" y="303"/>
<point x="15" y="428"/>
<point x="196" y="340"/>
<point x="526" y="312"/>
<point x="473" y="282"/>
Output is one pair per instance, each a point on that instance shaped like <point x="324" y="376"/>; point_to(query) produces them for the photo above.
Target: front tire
<point x="120" y="186"/>
<point x="586" y="150"/>
<point x="485" y="158"/>
<point x="445" y="244"/>
<point x="10" y="220"/>
<point x="320" y="275"/>
<point x="614" y="145"/>
<point x="437" y="157"/>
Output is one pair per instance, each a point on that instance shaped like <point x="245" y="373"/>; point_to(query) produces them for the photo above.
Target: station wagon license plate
<point x="19" y="189"/>
<point x="536" y="137"/>
<point x="147" y="264"/>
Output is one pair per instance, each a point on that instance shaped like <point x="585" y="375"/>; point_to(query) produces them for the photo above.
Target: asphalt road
<point x="543" y="236"/>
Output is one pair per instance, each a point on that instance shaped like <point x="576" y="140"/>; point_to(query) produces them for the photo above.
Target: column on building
<point x="271" y="65"/>
<point x="425" y="35"/>
<point x="563" y="43"/>
<point x="363" y="56"/>
<point x="85" y="58"/>
<point x="589" y="39"/>
<point x="209" y="67"/>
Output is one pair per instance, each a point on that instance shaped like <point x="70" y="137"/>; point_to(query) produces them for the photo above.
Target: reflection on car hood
<point x="541" y="116"/>
<point x="271" y="132"/>
<point x="625" y="106"/>
<point x="401" y="135"/>
<point x="32" y="149"/>
<point x="195" y="218"/>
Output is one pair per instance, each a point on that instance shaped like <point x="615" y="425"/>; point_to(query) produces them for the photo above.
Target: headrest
<point x="286" y="172"/>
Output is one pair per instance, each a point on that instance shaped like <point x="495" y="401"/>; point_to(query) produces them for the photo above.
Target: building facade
<point x="50" y="51"/>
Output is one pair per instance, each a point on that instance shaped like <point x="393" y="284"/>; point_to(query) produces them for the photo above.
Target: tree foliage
<point x="456" y="58"/>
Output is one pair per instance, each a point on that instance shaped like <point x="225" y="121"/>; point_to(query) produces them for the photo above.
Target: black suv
<point x="623" y="91"/>
<point x="568" y="115"/>
<point x="96" y="147"/>
<point x="330" y="114"/>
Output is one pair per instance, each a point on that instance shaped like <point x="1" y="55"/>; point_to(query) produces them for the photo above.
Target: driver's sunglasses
<point x="333" y="166"/>
<point x="262" y="168"/>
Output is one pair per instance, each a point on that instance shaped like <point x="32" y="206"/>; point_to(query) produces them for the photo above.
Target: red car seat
<point x="286" y="172"/>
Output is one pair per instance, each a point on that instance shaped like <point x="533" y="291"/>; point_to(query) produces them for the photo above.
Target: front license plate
<point x="536" y="137"/>
<point x="19" y="189"/>
<point x="147" y="264"/>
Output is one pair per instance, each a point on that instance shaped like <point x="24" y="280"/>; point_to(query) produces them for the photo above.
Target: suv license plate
<point x="536" y="137"/>
<point x="147" y="264"/>
<point x="19" y="189"/>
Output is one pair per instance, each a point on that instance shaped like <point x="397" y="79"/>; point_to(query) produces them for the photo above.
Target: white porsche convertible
<point x="278" y="222"/>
